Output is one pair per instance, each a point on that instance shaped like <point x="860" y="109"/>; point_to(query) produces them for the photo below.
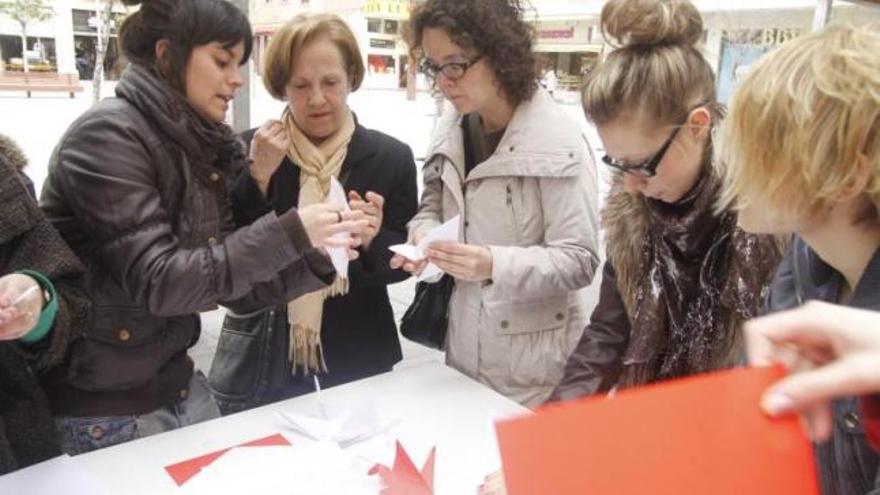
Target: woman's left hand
<point x="463" y="261"/>
<point x="16" y="321"/>
<point x="373" y="208"/>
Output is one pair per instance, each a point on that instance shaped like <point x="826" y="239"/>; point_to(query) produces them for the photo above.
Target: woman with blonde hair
<point x="346" y="331"/>
<point x="802" y="155"/>
<point x="679" y="279"/>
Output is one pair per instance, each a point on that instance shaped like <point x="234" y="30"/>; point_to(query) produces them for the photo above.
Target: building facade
<point x="65" y="43"/>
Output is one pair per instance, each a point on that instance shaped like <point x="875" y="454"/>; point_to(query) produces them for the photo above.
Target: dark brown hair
<point x="186" y="24"/>
<point x="494" y="28"/>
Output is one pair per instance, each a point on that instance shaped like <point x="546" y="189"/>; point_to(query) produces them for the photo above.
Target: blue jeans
<point x="85" y="434"/>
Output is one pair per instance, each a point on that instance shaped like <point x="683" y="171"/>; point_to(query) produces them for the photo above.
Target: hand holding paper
<point x="447" y="232"/>
<point x="333" y="226"/>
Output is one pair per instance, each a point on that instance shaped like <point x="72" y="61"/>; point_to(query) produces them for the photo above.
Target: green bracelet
<point x="50" y="310"/>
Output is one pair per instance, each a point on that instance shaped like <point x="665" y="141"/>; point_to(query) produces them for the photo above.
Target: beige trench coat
<point x="533" y="203"/>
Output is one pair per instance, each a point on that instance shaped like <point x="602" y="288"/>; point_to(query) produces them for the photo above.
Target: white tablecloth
<point x="434" y="405"/>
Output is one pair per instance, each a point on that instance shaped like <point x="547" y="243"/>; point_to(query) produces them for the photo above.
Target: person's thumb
<point x="807" y="388"/>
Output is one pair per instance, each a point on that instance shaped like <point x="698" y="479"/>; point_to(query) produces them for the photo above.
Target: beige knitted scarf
<point x="317" y="165"/>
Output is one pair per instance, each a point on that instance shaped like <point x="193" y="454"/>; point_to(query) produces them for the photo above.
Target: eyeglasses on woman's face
<point x="648" y="168"/>
<point x="450" y="70"/>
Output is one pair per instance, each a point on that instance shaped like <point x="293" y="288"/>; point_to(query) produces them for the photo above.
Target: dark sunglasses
<point x="451" y="70"/>
<point x="648" y="168"/>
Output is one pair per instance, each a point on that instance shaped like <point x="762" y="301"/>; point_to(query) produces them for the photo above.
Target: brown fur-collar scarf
<point x="687" y="277"/>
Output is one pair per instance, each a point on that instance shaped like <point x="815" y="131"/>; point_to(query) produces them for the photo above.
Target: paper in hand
<point x="447" y="232"/>
<point x="339" y="256"/>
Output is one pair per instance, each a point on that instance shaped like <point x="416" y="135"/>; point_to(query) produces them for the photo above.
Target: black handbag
<point x="427" y="318"/>
<point x="251" y="365"/>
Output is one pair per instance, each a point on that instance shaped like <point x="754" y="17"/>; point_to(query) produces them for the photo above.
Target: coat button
<point x="184" y="393"/>
<point x="214" y="176"/>
<point x="571" y="155"/>
<point x="467" y="224"/>
<point x="124" y="335"/>
<point x="560" y="316"/>
<point x="96" y="432"/>
<point x="851" y="420"/>
<point x="512" y="148"/>
<point x="505" y="324"/>
<point x="212" y="241"/>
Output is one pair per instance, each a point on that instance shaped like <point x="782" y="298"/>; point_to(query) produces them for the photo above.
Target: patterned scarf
<point x="698" y="276"/>
<point x="211" y="146"/>
<point x="317" y="165"/>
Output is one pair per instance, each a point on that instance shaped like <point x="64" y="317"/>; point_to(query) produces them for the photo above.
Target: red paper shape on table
<point x="404" y="478"/>
<point x="182" y="472"/>
<point x="700" y="435"/>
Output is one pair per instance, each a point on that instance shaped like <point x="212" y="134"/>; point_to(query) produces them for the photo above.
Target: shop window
<point x="391" y="27"/>
<point x="40" y="54"/>
<point x="86" y="55"/>
<point x="380" y="64"/>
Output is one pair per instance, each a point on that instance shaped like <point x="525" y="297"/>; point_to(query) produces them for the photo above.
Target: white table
<point x="435" y="404"/>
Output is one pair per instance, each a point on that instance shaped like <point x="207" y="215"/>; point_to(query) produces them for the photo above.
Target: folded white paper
<point x="447" y="232"/>
<point x="339" y="256"/>
<point x="334" y="423"/>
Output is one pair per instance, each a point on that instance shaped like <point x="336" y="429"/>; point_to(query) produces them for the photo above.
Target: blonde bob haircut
<point x="804" y="124"/>
<point x="303" y="29"/>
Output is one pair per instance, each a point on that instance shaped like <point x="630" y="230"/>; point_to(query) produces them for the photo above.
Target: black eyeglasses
<point x="451" y="70"/>
<point x="648" y="168"/>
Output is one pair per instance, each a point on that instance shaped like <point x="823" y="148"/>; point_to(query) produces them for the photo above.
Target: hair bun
<point x="651" y="22"/>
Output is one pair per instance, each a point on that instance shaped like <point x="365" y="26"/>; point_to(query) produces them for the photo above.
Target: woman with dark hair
<point x="138" y="188"/>
<point x="519" y="173"/>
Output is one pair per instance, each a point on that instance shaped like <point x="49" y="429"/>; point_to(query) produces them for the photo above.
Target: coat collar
<point x="361" y="147"/>
<point x="816" y="279"/>
<point x="540" y="141"/>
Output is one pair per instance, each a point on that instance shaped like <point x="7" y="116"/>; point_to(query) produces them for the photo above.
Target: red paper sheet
<point x="182" y="472"/>
<point x="404" y="478"/>
<point x="701" y="435"/>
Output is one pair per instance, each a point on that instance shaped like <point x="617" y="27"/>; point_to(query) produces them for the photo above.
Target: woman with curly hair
<point x="519" y="173"/>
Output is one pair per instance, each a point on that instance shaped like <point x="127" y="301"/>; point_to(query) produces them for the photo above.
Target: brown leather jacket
<point x="142" y="200"/>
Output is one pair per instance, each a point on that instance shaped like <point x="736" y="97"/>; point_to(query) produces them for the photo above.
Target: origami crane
<point x="404" y="478"/>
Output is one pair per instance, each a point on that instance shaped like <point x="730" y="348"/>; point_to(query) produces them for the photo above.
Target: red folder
<point x="703" y="435"/>
<point x="182" y="472"/>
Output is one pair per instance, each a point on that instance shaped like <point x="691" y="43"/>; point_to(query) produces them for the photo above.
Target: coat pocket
<point x="522" y="317"/>
<point x="122" y="350"/>
<point x="531" y="344"/>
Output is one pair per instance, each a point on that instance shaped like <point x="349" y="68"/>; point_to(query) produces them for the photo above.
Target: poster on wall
<point x="740" y="50"/>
